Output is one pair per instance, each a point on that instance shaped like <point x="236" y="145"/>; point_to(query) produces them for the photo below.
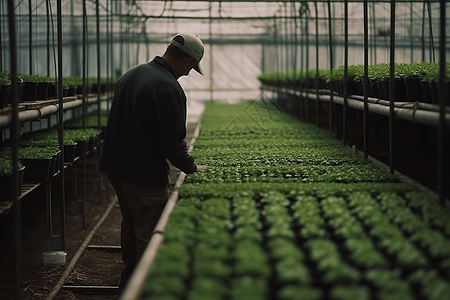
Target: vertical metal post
<point x="30" y="36"/>
<point x="330" y="42"/>
<point x="286" y="40"/>
<point x="307" y="14"/>
<point x="97" y="13"/>
<point x="392" y="89"/>
<point x="85" y="41"/>
<point x="344" y="116"/>
<point x="47" y="5"/>
<point x="211" y="81"/>
<point x="1" y="40"/>
<point x="14" y="132"/>
<point x="374" y="26"/>
<point x="366" y="75"/>
<point x="317" y="66"/>
<point x="411" y="32"/>
<point x="61" y="125"/>
<point x="423" y="31"/>
<point x="442" y="98"/>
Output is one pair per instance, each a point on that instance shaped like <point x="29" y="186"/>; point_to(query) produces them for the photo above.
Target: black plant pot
<point x="37" y="170"/>
<point x="71" y="90"/>
<point x="434" y="88"/>
<point x="352" y="88"/>
<point x="20" y="87"/>
<point x="52" y="91"/>
<point x="426" y="92"/>
<point x="4" y="95"/>
<point x="30" y="91"/>
<point x="413" y="89"/>
<point x="6" y="184"/>
<point x="399" y="90"/>
<point x="360" y="86"/>
<point x="373" y="90"/>
<point x="69" y="153"/>
<point x="42" y="91"/>
<point x="55" y="164"/>
<point x="80" y="90"/>
<point x="82" y="148"/>
<point x="381" y="94"/>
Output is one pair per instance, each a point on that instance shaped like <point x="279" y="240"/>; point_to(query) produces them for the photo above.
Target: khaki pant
<point x="141" y="207"/>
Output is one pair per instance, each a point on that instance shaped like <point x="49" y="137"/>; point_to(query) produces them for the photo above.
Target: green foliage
<point x="5" y="78"/>
<point x="428" y="72"/>
<point x="342" y="225"/>
<point x="36" y="78"/>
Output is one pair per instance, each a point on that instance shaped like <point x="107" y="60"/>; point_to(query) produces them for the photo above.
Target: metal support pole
<point x="366" y="75"/>
<point x="330" y="41"/>
<point x="30" y="36"/>
<point x="211" y="80"/>
<point x="47" y="5"/>
<point x="344" y="116"/>
<point x="14" y="132"/>
<point x="392" y="90"/>
<point x="61" y="126"/>
<point x="97" y="12"/>
<point x="317" y="66"/>
<point x="442" y="98"/>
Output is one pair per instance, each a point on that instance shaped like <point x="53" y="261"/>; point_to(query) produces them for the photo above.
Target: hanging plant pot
<point x="30" y="91"/>
<point x="7" y="182"/>
<point x="42" y="91"/>
<point x="413" y="89"/>
<point x="37" y="170"/>
<point x="4" y="95"/>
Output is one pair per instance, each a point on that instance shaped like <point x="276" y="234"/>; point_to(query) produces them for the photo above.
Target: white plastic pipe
<point x="402" y="110"/>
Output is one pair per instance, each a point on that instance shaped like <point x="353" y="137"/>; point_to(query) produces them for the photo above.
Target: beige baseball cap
<point x="192" y="46"/>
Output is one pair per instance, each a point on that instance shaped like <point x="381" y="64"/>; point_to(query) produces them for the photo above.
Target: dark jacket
<point x="146" y="125"/>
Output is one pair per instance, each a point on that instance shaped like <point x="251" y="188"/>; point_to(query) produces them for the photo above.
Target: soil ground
<point x="95" y="267"/>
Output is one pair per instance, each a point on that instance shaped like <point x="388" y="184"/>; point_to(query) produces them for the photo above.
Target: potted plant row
<point x="412" y="82"/>
<point x="7" y="180"/>
<point x="41" y="162"/>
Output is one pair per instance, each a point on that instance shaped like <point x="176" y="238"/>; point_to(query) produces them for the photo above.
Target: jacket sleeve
<point x="172" y="131"/>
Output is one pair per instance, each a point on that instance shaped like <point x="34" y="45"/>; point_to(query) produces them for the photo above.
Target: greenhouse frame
<point x="329" y="112"/>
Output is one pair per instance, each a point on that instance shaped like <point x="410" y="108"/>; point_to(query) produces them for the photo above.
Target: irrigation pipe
<point x="136" y="283"/>
<point x="380" y="107"/>
<point x="80" y="251"/>
<point x="38" y="113"/>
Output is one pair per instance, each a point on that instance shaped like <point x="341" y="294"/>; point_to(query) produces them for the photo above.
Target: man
<point x="147" y="127"/>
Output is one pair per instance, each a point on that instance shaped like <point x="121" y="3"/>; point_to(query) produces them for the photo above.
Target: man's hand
<point x="201" y="168"/>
